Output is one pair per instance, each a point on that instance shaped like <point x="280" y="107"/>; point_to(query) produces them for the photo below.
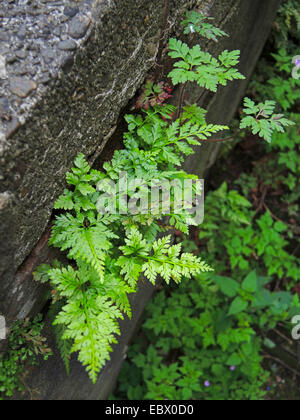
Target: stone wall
<point x="67" y="69"/>
<point x="68" y="73"/>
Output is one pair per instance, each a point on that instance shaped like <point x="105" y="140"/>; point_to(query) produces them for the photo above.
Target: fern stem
<point x="88" y="238"/>
<point x="180" y="101"/>
<point x="169" y="262"/>
<point x="201" y="140"/>
<point x="222" y="140"/>
<point x="200" y="97"/>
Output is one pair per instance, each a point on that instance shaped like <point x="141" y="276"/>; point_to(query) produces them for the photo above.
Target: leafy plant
<point x="153" y="95"/>
<point x="203" y="340"/>
<point x="247" y="244"/>
<point x="199" y="341"/>
<point x="110" y="250"/>
<point x="25" y="345"/>
<point x="201" y="67"/>
<point x="287" y="25"/>
<point x="196" y="22"/>
<point x="262" y="120"/>
<point x="95" y="291"/>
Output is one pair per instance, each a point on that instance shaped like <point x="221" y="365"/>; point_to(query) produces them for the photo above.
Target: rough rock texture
<point x="66" y="71"/>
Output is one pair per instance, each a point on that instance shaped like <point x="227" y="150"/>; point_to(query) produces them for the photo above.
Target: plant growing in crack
<point x="110" y="252"/>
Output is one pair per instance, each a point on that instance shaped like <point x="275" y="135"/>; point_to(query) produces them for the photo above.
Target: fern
<point x="89" y="318"/>
<point x="197" y="22"/>
<point x="164" y="260"/>
<point x="111" y="245"/>
<point x="194" y="114"/>
<point x="64" y="345"/>
<point x="262" y="120"/>
<point x="86" y="238"/>
<point x="94" y="291"/>
<point x="201" y="67"/>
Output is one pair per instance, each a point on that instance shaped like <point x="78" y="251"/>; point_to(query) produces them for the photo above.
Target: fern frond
<point x="167" y="263"/>
<point x="200" y="66"/>
<point x="194" y="114"/>
<point x="117" y="290"/>
<point x="131" y="269"/>
<point x="197" y="22"/>
<point x="262" y="120"/>
<point x="164" y="261"/>
<point x="89" y="319"/>
<point x="91" y="322"/>
<point x="64" y="345"/>
<point x="89" y="244"/>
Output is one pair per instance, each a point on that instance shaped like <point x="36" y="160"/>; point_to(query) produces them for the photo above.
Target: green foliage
<point x="197" y="23"/>
<point x="275" y="241"/>
<point x="64" y="345"/>
<point x="252" y="296"/>
<point x="202" y="342"/>
<point x="262" y="120"/>
<point x="287" y="25"/>
<point x="292" y="14"/>
<point x="110" y="250"/>
<point x="194" y="114"/>
<point x="87" y="243"/>
<point x="247" y="244"/>
<point x="94" y="292"/>
<point x="274" y="79"/>
<point x="153" y="95"/>
<point x="201" y="67"/>
<point x="25" y="345"/>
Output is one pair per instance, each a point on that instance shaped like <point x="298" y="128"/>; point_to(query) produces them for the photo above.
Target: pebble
<point x="21" y="86"/>
<point x="67" y="45"/>
<point x="71" y="11"/>
<point x="78" y="27"/>
<point x="48" y="55"/>
<point x="3" y="73"/>
<point x="4" y="200"/>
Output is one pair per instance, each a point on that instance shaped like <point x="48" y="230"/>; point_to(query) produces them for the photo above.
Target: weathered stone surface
<point x="21" y="86"/>
<point x="75" y="111"/>
<point x="78" y="97"/>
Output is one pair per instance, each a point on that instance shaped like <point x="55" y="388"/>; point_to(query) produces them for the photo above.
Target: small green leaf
<point x="234" y="360"/>
<point x="250" y="283"/>
<point x="86" y="189"/>
<point x="237" y="306"/>
<point x="227" y="285"/>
